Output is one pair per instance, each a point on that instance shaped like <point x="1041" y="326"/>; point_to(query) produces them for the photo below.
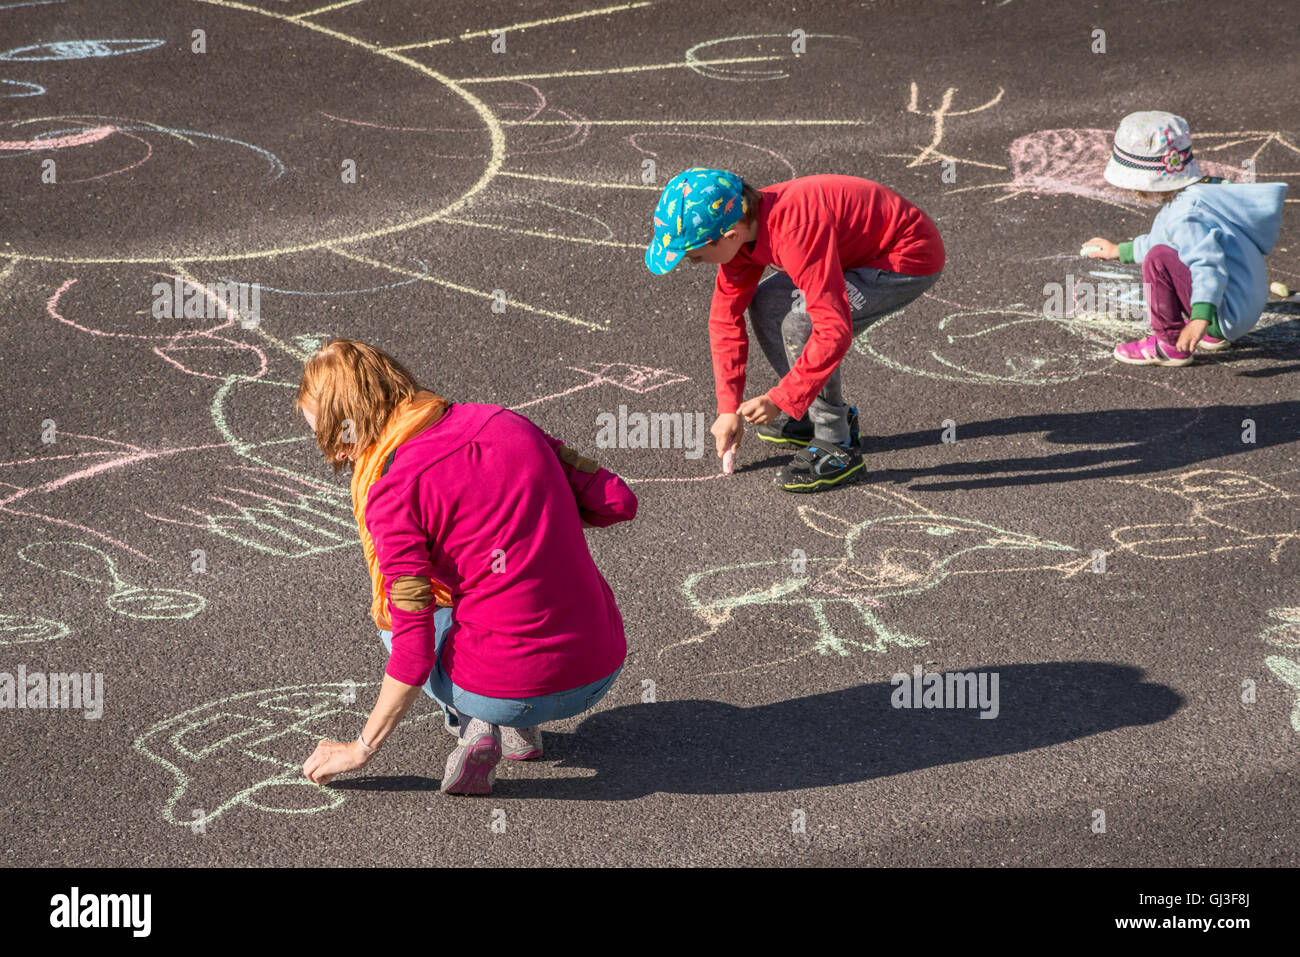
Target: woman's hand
<point x="1191" y="335"/>
<point x="331" y="758"/>
<point x="1105" y="248"/>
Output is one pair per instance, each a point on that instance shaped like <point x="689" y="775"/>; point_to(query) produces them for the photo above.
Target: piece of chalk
<point x="1280" y="290"/>
<point x="1089" y="249"/>
<point x="728" y="461"/>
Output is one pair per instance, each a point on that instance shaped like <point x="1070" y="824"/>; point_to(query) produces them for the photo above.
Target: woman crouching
<point x="483" y="589"/>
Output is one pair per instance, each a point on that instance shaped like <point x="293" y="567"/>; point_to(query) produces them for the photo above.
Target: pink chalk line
<point x="92" y="135"/>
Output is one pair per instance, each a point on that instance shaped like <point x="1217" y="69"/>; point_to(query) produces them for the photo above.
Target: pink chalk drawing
<point x="89" y="135"/>
<point x="624" y="375"/>
<point x="1071" y="162"/>
<point x="182" y="341"/>
<point x="255" y="502"/>
<point x="68" y="132"/>
<point x="85" y="465"/>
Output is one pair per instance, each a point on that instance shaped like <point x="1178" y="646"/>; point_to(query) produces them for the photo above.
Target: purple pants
<point x="1169" y="292"/>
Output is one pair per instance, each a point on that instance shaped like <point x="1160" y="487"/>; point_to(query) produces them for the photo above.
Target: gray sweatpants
<point x="782" y="326"/>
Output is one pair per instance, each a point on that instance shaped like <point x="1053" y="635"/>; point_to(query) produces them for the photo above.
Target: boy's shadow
<point x="1139" y="441"/>
<point x="840" y="737"/>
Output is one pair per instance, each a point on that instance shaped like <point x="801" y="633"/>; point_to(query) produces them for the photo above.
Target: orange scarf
<point x="410" y="418"/>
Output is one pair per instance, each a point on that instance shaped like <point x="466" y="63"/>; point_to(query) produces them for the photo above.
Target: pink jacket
<point x="482" y="501"/>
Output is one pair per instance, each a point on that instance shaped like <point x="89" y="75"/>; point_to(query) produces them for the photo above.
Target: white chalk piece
<point x="728" y="461"/>
<point x="1280" y="290"/>
<point x="1089" y="249"/>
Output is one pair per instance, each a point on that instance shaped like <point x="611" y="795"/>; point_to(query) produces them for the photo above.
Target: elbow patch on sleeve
<point x="410" y="593"/>
<point x="570" y="457"/>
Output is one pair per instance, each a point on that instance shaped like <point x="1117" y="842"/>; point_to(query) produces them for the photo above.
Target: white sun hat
<point x="1153" y="151"/>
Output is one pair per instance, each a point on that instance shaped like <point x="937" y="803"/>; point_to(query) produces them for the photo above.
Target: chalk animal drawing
<point x="247" y="750"/>
<point x="904" y="551"/>
<point x="133" y="601"/>
<point x="1222" y="511"/>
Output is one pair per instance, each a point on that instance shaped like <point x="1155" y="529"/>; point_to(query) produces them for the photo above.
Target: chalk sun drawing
<point x="132" y="601"/>
<point x="204" y="244"/>
<point x="247" y="750"/>
<point x="906" y="551"/>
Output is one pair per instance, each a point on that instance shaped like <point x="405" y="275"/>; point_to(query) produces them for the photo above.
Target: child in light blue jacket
<point x="1203" y="260"/>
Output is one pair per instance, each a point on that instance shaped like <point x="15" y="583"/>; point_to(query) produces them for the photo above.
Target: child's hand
<point x="1191" y="335"/>
<point x="759" y="410"/>
<point x="727" y="430"/>
<point x="1105" y="248"/>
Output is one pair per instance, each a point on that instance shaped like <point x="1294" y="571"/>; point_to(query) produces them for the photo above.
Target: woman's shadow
<point x="840" y="737"/>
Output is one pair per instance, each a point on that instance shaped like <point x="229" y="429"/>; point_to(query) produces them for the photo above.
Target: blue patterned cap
<point x="695" y="207"/>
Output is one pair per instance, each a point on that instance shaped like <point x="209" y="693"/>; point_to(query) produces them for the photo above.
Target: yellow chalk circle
<point x="1280" y="290"/>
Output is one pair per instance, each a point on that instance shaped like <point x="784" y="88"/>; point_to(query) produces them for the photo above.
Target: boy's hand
<point x="727" y="430"/>
<point x="1106" y="249"/>
<point x="1191" y="335"/>
<point x="759" y="410"/>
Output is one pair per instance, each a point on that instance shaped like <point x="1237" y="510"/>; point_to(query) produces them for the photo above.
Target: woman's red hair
<point x="352" y="388"/>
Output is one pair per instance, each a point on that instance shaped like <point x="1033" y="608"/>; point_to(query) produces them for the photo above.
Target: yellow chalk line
<point x="466" y="289"/>
<point x="525" y="26"/>
<point x="325" y="9"/>
<point x="543" y="235"/>
<point x="610" y="72"/>
<point x="724" y="122"/>
<point x="577" y="182"/>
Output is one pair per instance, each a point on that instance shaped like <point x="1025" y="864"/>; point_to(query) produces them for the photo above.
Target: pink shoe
<point x="1211" y="344"/>
<point x="1151" y="352"/>
<point x="521" y="744"/>
<point x="472" y="766"/>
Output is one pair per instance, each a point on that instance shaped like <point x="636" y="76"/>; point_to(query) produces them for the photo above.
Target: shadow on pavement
<point x="1140" y="441"/>
<point x="840" y="737"/>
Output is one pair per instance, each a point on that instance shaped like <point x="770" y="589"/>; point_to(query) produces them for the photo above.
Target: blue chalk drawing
<point x="78" y="49"/>
<point x="36" y="87"/>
